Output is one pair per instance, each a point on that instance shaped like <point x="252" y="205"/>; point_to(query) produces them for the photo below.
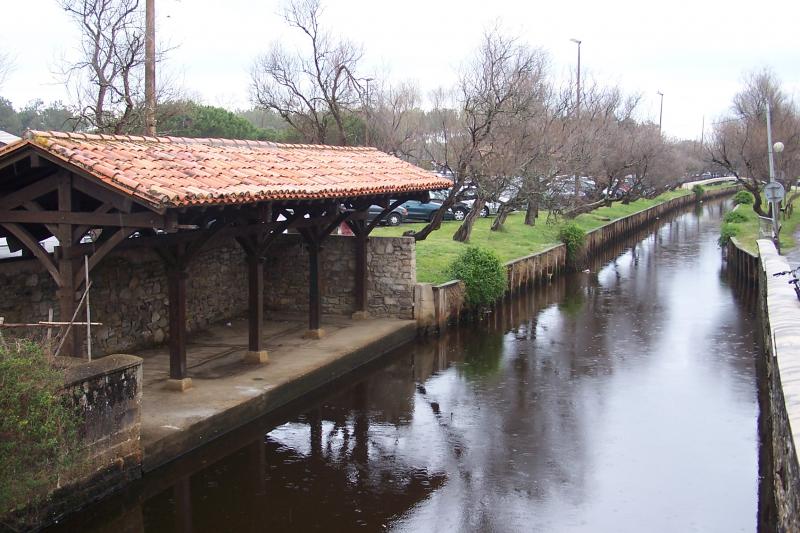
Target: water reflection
<point x="618" y="399"/>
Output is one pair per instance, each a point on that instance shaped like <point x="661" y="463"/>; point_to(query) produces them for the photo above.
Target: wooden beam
<point x="314" y="297"/>
<point x="34" y="206"/>
<point x="388" y="209"/>
<point x="80" y="231"/>
<point x="362" y="272"/>
<point x="36" y="249"/>
<point x="255" y="311"/>
<point x="102" y="251"/>
<point x="176" y="282"/>
<point x="133" y="220"/>
<point x="31" y="192"/>
<point x="118" y="199"/>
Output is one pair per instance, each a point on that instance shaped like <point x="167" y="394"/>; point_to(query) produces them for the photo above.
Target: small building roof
<point x="174" y="172"/>
<point x="7" y="138"/>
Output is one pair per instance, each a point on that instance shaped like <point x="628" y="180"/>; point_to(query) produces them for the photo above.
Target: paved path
<point x="228" y="393"/>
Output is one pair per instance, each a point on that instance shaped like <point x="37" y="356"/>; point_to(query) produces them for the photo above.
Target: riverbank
<point x="442" y="303"/>
<point x="779" y="381"/>
<point x="516" y="239"/>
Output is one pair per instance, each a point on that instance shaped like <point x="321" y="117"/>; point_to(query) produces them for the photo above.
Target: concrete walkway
<point x="228" y="393"/>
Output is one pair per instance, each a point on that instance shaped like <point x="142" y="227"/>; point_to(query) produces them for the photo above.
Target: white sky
<point x="695" y="52"/>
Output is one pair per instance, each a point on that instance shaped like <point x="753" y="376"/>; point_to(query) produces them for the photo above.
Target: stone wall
<point x="392" y="276"/>
<point x="780" y="318"/>
<point x="129" y="292"/>
<point x="107" y="395"/>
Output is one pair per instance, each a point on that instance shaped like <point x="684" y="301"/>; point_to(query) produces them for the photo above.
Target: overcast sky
<point x="695" y="52"/>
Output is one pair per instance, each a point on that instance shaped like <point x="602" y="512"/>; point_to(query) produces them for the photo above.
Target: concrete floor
<point x="228" y="393"/>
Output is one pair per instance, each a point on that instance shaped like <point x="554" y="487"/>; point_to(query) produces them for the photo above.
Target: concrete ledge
<point x="79" y="370"/>
<point x="178" y="424"/>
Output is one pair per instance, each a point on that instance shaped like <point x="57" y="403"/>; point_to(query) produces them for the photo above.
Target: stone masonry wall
<point x="392" y="276"/>
<point x="781" y="333"/>
<point x="107" y="395"/>
<point x="129" y="292"/>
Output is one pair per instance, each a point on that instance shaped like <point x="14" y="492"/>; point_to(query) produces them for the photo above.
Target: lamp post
<point x="773" y="198"/>
<point x="660" y="111"/>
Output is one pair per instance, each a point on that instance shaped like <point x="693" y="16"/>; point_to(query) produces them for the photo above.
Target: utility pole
<point x="150" y="69"/>
<point x="660" y="112"/>
<point x="578" y="111"/>
<point x="366" y="125"/>
<point x="578" y="83"/>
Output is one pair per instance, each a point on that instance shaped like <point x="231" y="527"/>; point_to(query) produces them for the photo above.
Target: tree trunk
<point x="464" y="231"/>
<point x="532" y="213"/>
<point x="436" y="221"/>
<point x="500" y="219"/>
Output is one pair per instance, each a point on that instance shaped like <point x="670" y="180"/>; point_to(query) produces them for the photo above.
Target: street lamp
<point x="660" y="111"/>
<point x="578" y="101"/>
<point x="777" y="195"/>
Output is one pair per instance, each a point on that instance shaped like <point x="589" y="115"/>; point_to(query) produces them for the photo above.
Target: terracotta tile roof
<point x="172" y="171"/>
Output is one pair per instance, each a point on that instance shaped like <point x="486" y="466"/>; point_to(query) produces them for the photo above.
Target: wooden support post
<point x="361" y="276"/>
<point x="314" y="297"/>
<point x="176" y="280"/>
<point x="255" y="348"/>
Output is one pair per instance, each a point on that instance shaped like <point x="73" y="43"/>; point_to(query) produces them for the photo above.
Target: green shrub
<point x="743" y="197"/>
<point x="574" y="238"/>
<point x="483" y="275"/>
<point x="38" y="427"/>
<point x="726" y="232"/>
<point x="734" y="217"/>
<point x="698" y="191"/>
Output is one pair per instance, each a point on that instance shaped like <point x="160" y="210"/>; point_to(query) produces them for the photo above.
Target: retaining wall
<point x="438" y="305"/>
<point x="780" y="313"/>
<point x="107" y="395"/>
<point x="129" y="292"/>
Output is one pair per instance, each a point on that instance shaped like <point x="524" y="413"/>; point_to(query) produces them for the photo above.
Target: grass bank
<point x="746" y="232"/>
<point x="435" y="253"/>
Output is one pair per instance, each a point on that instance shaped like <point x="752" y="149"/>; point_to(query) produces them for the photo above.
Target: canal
<point x="622" y="398"/>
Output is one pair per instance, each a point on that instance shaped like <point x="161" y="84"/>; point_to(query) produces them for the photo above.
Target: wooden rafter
<point x="102" y="251"/>
<point x="30" y="242"/>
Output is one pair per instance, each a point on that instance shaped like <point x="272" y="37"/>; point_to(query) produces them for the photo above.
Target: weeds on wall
<point x="38" y="425"/>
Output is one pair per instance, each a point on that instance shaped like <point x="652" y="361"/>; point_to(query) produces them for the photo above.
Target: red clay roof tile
<point x="174" y="171"/>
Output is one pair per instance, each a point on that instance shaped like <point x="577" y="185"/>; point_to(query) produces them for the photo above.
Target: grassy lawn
<point x="435" y="253"/>
<point x="747" y="232"/>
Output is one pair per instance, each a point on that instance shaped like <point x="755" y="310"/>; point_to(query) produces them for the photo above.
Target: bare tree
<point x="313" y="90"/>
<point x="107" y="77"/>
<point x="395" y="120"/>
<point x="6" y="65"/>
<point x="497" y="86"/>
<point x="739" y="141"/>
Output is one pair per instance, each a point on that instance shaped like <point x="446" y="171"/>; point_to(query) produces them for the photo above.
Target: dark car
<point x="425" y="211"/>
<point x="394" y="218"/>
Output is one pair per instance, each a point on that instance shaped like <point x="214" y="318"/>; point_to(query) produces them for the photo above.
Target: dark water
<point x="623" y="399"/>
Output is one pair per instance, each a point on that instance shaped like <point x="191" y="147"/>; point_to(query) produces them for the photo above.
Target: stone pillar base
<point x="360" y="315"/>
<point x="257" y="358"/>
<point x="180" y="385"/>
<point x="314" y="334"/>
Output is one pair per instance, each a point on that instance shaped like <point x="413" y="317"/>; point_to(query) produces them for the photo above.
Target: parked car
<point x="424" y="211"/>
<point x="395" y="218"/>
<point x="467" y="198"/>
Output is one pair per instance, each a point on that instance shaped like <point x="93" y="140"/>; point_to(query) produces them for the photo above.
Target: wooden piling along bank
<point x="448" y="298"/>
<point x="743" y="265"/>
